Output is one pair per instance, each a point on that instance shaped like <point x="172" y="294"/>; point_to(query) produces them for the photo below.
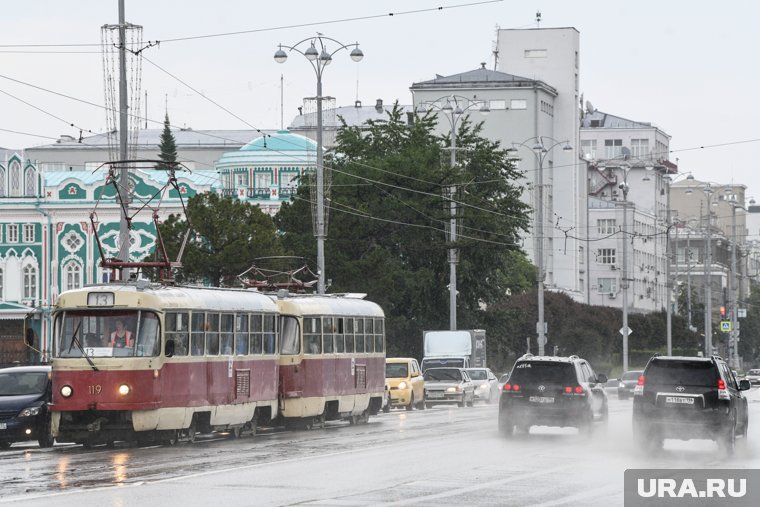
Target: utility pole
<point x="123" y="138"/>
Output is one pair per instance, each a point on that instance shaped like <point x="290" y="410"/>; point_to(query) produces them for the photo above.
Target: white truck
<point x="458" y="349"/>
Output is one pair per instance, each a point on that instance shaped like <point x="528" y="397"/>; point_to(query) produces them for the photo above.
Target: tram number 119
<point x="94" y="389"/>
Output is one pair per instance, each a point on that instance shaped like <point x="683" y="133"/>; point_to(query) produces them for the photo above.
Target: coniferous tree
<point x="167" y="147"/>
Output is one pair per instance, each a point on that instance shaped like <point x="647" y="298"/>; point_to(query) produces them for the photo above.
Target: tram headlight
<point x="124" y="389"/>
<point x="66" y="391"/>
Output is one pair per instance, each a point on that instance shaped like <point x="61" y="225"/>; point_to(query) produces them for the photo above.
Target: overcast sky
<point x="689" y="67"/>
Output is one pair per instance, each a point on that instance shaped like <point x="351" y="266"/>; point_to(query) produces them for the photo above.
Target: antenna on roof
<point x="538" y="19"/>
<point x="495" y="50"/>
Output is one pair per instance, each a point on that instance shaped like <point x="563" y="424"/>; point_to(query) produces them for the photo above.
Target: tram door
<point x="292" y="378"/>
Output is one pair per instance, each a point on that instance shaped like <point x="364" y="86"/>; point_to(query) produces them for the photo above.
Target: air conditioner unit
<point x="613" y="295"/>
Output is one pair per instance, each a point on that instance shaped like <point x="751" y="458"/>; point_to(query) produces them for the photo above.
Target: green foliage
<point x="749" y="335"/>
<point x="388" y="215"/>
<point x="167" y="147"/>
<point x="227" y="236"/>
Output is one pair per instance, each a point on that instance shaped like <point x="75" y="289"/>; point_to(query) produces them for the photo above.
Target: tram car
<point x="135" y="361"/>
<point x="332" y="358"/>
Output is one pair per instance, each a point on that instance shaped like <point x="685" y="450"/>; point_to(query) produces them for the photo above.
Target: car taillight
<point x="507" y="387"/>
<point x="516" y="387"/>
<point x="722" y="391"/>
<point x="568" y="389"/>
<point x="639" y="389"/>
<point x="578" y="390"/>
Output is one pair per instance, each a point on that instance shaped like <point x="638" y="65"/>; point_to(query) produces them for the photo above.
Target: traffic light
<point x="722" y="311"/>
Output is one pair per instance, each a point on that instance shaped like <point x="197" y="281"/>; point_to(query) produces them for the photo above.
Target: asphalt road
<point x="440" y="456"/>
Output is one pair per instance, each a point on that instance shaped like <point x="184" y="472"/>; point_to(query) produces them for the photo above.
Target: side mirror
<point x="169" y="348"/>
<point x="415" y="374"/>
<point x="601" y="378"/>
<point x="744" y="385"/>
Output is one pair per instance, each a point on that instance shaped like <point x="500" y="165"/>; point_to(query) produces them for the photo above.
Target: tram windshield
<point x="107" y="334"/>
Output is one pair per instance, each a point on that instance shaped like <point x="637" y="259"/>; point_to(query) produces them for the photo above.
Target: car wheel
<point x="422" y="404"/>
<point x="428" y="405"/>
<point x="46" y="441"/>
<point x="411" y="404"/>
<point x="4" y="445"/>
<point x="471" y="403"/>
<point x="506" y="426"/>
<point x="727" y="440"/>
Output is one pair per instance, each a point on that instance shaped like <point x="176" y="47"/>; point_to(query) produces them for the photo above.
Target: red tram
<point x="155" y="363"/>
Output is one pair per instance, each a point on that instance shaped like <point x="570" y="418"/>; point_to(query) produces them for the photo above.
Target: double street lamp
<point x="453" y="109"/>
<point x="540" y="147"/>
<point x="319" y="56"/>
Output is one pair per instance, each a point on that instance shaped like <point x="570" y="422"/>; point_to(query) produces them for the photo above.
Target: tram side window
<point x="312" y="335"/>
<point x="369" y="331"/>
<point x="289" y="336"/>
<point x="226" y="333"/>
<point x="198" y="334"/>
<point x="359" y="335"/>
<point x="270" y="334"/>
<point x="241" y="334"/>
<point x="339" y="332"/>
<point x="177" y="329"/>
<point x="212" y="334"/>
<point x="328" y="334"/>
<point x="148" y="341"/>
<point x="350" y="329"/>
<point x="379" y="332"/>
<point x="257" y="333"/>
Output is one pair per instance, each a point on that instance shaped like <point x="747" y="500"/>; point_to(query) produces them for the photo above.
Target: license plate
<point x="680" y="400"/>
<point x="541" y="399"/>
<point x="3" y="426"/>
<point x="434" y="395"/>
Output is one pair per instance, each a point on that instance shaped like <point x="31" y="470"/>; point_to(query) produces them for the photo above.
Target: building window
<point x="639" y="148"/>
<point x="2" y="182"/>
<point x="289" y="180"/>
<point x="15" y="174"/>
<point x="241" y="179"/>
<point x="1" y="284"/>
<point x="535" y="53"/>
<point x="606" y="285"/>
<point x="588" y="149"/>
<point x="605" y="256"/>
<point x="518" y="104"/>
<point x="28" y="233"/>
<point x="12" y="233"/>
<point x="30" y="282"/>
<point x="605" y="226"/>
<point x="72" y="276"/>
<point x="263" y="180"/>
<point x="613" y="148"/>
<point x="582" y="255"/>
<point x="497" y="104"/>
<point x="547" y="108"/>
<point x="29" y="182"/>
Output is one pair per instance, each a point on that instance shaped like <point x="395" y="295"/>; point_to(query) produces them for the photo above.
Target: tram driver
<point x="121" y="337"/>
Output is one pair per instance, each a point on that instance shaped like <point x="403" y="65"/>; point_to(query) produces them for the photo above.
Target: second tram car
<point x="135" y="361"/>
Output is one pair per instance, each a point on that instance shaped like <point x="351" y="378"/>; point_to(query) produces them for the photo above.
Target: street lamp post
<point x="625" y="330"/>
<point x="733" y="338"/>
<point x="319" y="59"/>
<point x="454" y="108"/>
<point x="541" y="151"/>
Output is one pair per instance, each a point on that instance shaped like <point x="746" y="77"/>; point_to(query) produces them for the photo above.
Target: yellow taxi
<point x="406" y="385"/>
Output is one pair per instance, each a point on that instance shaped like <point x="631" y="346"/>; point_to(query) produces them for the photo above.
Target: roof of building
<point x="56" y="178"/>
<point x="282" y="147"/>
<point x="484" y="78"/>
<point x="354" y="116"/>
<point x="599" y="119"/>
<point x="184" y="138"/>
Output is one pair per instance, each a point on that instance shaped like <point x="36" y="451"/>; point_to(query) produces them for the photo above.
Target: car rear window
<point x="478" y="374"/>
<point x="527" y="372"/>
<point x="753" y="372"/>
<point x="631" y="375"/>
<point x="685" y="373"/>
<point x="444" y="374"/>
<point x="396" y="370"/>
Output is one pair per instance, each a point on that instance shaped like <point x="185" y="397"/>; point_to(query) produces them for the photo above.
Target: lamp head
<point x="280" y="56"/>
<point x="311" y="53"/>
<point x="357" y="54"/>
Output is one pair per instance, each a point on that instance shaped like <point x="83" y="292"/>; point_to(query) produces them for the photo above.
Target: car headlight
<point x="483" y="387"/>
<point x="124" y="389"/>
<point x="66" y="391"/>
<point x="454" y="389"/>
<point x="402" y="385"/>
<point x="30" y="412"/>
<point x="621" y="384"/>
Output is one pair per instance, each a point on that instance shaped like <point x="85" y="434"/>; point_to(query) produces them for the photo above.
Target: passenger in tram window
<point x="121" y="337"/>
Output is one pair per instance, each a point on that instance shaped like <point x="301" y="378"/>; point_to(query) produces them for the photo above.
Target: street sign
<point x="741" y="313"/>
<point x="626" y="331"/>
<point x="725" y="326"/>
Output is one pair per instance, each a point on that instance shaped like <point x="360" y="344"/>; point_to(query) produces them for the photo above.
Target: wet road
<point x="440" y="456"/>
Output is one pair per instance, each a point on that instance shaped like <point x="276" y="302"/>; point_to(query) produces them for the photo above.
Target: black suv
<point x="689" y="397"/>
<point x="552" y="391"/>
<point x="25" y="392"/>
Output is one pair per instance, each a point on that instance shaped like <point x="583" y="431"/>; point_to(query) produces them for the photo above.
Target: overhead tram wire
<point x="282" y="27"/>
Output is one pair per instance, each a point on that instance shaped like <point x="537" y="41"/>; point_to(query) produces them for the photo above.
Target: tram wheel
<point x="170" y="438"/>
<point x="234" y="433"/>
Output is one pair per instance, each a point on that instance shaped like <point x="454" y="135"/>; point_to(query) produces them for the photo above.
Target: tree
<point x="167" y="147"/>
<point x="388" y="216"/>
<point x="227" y="236"/>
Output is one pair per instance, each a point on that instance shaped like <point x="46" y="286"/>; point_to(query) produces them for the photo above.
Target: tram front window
<point x="107" y="334"/>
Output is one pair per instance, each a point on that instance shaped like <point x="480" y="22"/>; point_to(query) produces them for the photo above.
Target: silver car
<point x="448" y="385"/>
<point x="485" y="383"/>
<point x="753" y="376"/>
